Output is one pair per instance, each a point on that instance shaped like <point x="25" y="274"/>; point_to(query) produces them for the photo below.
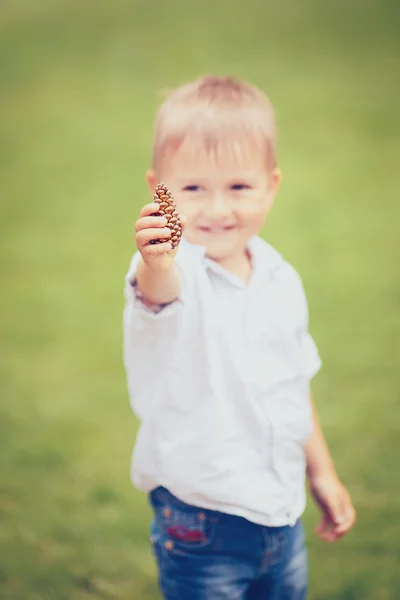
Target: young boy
<point x="219" y="362"/>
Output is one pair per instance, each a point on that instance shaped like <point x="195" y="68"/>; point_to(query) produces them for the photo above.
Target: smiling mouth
<point x="214" y="230"/>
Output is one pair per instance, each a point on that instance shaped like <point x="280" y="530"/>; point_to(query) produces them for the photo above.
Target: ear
<point x="275" y="180"/>
<point x="151" y="180"/>
<point x="273" y="186"/>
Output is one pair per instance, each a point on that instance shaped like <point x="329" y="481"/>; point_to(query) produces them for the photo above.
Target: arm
<point x="319" y="459"/>
<point x="158" y="286"/>
<point x="338" y="514"/>
<point x="147" y="334"/>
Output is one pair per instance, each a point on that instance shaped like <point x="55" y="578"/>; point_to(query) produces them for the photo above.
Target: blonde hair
<point x="218" y="112"/>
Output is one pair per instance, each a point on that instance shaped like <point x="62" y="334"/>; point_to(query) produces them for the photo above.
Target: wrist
<point x="155" y="268"/>
<point x="158" y="285"/>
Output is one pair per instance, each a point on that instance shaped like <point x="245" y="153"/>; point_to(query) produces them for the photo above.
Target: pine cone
<point x="163" y="197"/>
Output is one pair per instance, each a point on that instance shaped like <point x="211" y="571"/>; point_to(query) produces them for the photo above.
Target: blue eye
<point x="240" y="186"/>
<point x="191" y="188"/>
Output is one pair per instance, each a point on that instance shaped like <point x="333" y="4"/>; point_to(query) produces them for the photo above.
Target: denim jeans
<point x="207" y="555"/>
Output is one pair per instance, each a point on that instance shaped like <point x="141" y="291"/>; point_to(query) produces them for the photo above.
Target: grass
<point x="80" y="82"/>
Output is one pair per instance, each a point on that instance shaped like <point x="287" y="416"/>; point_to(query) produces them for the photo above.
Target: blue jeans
<point x="207" y="555"/>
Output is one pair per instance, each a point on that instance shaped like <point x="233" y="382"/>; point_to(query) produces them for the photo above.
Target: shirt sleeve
<point x="310" y="358"/>
<point x="146" y="341"/>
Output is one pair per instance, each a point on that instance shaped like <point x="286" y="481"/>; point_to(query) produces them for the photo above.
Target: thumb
<point x="336" y="512"/>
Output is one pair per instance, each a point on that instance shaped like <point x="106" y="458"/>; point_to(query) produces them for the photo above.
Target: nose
<point x="219" y="206"/>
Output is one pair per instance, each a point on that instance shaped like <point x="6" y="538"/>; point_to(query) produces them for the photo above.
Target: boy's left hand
<point x="334" y="502"/>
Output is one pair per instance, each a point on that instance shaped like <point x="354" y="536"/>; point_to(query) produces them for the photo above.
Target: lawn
<point x="80" y="82"/>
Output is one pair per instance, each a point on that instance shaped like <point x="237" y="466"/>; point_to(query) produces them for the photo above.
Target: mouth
<point x="212" y="230"/>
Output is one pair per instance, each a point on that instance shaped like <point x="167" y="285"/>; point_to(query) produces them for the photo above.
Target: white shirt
<point x="220" y="382"/>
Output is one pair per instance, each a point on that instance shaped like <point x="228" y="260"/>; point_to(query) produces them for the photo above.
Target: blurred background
<point x="80" y="83"/>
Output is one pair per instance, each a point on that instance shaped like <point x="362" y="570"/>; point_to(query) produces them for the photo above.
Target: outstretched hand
<point x="149" y="228"/>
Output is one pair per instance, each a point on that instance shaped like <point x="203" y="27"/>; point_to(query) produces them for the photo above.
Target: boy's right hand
<point x="157" y="257"/>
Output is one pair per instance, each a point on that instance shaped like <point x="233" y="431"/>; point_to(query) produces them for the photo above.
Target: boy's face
<point x="224" y="199"/>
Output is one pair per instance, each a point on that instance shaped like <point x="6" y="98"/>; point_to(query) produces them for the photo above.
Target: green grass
<point x="79" y="85"/>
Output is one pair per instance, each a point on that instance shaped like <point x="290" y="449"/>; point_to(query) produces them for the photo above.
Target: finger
<point x="347" y="524"/>
<point x="144" y="236"/>
<point x="341" y="515"/>
<point x="323" y="530"/>
<point x="326" y="530"/>
<point x="336" y="511"/>
<point x="335" y="532"/>
<point x="150" y="222"/>
<point x="326" y="535"/>
<point x="321" y="526"/>
<point x="156" y="249"/>
<point x="149" y="209"/>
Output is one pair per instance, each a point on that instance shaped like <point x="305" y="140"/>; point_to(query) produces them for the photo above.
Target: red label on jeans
<point x="186" y="535"/>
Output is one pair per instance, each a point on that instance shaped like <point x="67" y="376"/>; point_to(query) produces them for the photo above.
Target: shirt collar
<point x="265" y="261"/>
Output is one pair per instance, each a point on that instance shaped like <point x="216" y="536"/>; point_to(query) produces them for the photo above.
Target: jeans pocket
<point x="185" y="529"/>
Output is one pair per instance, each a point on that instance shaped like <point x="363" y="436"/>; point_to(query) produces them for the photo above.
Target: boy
<point x="219" y="362"/>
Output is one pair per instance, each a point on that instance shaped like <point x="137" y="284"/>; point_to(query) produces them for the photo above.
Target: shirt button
<point x="167" y="512"/>
<point x="168" y="545"/>
<point x="202" y="516"/>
